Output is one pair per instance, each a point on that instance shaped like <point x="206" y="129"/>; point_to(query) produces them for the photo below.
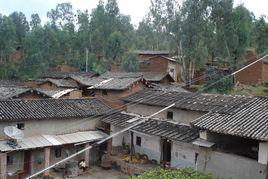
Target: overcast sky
<point x="135" y="8"/>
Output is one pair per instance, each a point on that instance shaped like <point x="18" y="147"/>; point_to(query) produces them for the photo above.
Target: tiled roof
<point x="156" y="77"/>
<point x="148" y="76"/>
<point x="122" y="75"/>
<point x="68" y="74"/>
<point x="61" y="83"/>
<point x="11" y="92"/>
<point x="14" y="92"/>
<point x="169" y="87"/>
<point x="11" y="83"/>
<point x="21" y="109"/>
<point x="55" y="93"/>
<point x="163" y="57"/>
<point x="110" y="84"/>
<point x="265" y="60"/>
<point x="151" y="52"/>
<point x="189" y="101"/>
<point x="250" y="121"/>
<point x="156" y="127"/>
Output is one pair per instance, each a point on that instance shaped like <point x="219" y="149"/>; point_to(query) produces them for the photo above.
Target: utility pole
<point x="86" y="54"/>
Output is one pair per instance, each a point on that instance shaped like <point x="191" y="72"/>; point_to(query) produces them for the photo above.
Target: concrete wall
<point x="179" y="115"/>
<point x="117" y="141"/>
<point x="226" y="165"/>
<point x="56" y="126"/>
<point x="183" y="155"/>
<point x="263" y="153"/>
<point x="150" y="145"/>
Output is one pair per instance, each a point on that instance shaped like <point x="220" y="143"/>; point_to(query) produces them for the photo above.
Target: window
<point x="58" y="152"/>
<point x="104" y="92"/>
<point x="138" y="141"/>
<point x="169" y="115"/>
<point x="9" y="160"/>
<point x="20" y="126"/>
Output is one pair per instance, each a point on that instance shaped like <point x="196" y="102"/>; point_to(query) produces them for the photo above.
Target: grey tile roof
<point x="189" y="101"/>
<point x="151" y="52"/>
<point x="156" y="127"/>
<point x="61" y="83"/>
<point x="156" y="77"/>
<point x="148" y="76"/>
<point x="112" y="84"/>
<point x="21" y="109"/>
<point x="9" y="92"/>
<point x="52" y="93"/>
<point x="164" y="57"/>
<point x="122" y="75"/>
<point x="250" y="121"/>
<point x="11" y="82"/>
<point x="68" y="74"/>
<point x="170" y="87"/>
<point x="265" y="60"/>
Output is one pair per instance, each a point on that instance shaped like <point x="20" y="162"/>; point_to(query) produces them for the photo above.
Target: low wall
<point x="225" y="165"/>
<point x="183" y="155"/>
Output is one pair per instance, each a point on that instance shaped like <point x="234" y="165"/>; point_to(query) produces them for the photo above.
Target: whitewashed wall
<point x="227" y="165"/>
<point x="183" y="155"/>
<point x="117" y="140"/>
<point x="184" y="116"/>
<point x="150" y="145"/>
<point x="55" y="126"/>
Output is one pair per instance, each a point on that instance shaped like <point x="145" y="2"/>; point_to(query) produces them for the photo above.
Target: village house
<point x="146" y="54"/>
<point x="157" y="62"/>
<point x="162" y="64"/>
<point x="254" y="74"/>
<point x="188" y="106"/>
<point x="52" y="129"/>
<point x="111" y="87"/>
<point x="235" y="144"/>
<point x="160" y="141"/>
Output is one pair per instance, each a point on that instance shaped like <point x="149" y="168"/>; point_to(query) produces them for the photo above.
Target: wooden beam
<point x="47" y="160"/>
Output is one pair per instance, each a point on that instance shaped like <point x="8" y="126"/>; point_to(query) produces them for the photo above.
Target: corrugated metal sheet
<point x="53" y="140"/>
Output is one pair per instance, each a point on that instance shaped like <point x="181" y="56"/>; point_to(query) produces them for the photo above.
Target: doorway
<point x="165" y="151"/>
<point x="26" y="164"/>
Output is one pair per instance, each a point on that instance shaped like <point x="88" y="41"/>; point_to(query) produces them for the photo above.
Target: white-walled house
<point x="159" y="140"/>
<point x="188" y="106"/>
<point x="53" y="129"/>
<point x="240" y="141"/>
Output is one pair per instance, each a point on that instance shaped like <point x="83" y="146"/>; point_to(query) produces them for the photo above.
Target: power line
<point x="100" y="142"/>
<point x="141" y="121"/>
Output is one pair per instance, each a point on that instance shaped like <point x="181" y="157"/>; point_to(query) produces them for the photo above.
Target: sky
<point x="137" y="9"/>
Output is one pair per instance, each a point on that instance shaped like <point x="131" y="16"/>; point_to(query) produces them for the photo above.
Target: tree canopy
<point x="195" y="31"/>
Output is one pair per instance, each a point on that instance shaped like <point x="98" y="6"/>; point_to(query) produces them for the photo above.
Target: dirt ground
<point x="99" y="173"/>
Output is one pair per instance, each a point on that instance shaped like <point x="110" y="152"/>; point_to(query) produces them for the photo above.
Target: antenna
<point x="13" y="132"/>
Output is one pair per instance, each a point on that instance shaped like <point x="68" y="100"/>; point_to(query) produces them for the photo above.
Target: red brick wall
<point x="154" y="65"/>
<point x="250" y="75"/>
<point x="265" y="72"/>
<point x="113" y="97"/>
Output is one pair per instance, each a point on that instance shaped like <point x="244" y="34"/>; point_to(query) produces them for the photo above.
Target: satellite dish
<point x="13" y="132"/>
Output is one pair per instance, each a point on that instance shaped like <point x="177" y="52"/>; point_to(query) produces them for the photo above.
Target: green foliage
<point x="130" y="62"/>
<point x="216" y="82"/>
<point x="185" y="173"/>
<point x="195" y="31"/>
